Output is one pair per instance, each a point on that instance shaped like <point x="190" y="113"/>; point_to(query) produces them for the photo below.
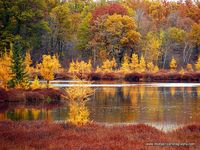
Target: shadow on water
<point x="165" y="106"/>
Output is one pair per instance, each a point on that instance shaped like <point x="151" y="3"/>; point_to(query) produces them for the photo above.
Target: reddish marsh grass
<point x="19" y="95"/>
<point x="44" y="135"/>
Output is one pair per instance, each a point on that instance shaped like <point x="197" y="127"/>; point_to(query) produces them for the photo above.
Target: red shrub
<point x="109" y="76"/>
<point x="53" y="94"/>
<point x="16" y="95"/>
<point x="62" y="76"/>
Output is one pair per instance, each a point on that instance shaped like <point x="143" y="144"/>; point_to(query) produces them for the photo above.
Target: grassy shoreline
<point x="161" y="76"/>
<point x="46" y="135"/>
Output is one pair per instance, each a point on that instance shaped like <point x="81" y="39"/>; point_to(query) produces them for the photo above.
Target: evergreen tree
<point x="20" y="76"/>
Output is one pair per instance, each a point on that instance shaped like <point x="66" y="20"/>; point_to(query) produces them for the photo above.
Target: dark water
<point x="164" y="106"/>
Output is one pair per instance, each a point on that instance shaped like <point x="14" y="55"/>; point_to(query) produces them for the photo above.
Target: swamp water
<point x="165" y="106"/>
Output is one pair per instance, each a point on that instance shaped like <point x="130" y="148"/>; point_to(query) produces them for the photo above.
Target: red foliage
<point x="18" y="95"/>
<point x="109" y="76"/>
<point x="44" y="135"/>
<point x="108" y="9"/>
<point x="53" y="94"/>
<point x="133" y="77"/>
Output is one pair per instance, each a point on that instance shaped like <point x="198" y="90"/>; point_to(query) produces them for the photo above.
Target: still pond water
<point x="163" y="105"/>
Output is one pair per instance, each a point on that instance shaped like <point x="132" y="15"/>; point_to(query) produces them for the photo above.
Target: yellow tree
<point x="189" y="67"/>
<point x="35" y="84"/>
<point x="150" y="67"/>
<point x="152" y="47"/>
<point x="134" y="62"/>
<point x="48" y="67"/>
<point x="107" y="66"/>
<point x="77" y="95"/>
<point x="28" y="62"/>
<point x="80" y="67"/>
<point x="197" y="65"/>
<point x="142" y="64"/>
<point x="125" y="65"/>
<point x="173" y="64"/>
<point x="5" y="70"/>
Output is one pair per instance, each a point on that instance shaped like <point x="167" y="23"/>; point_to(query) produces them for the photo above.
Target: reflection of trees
<point x="198" y="91"/>
<point x="77" y="96"/>
<point x="172" y="91"/>
<point x="78" y="113"/>
<point x="123" y="104"/>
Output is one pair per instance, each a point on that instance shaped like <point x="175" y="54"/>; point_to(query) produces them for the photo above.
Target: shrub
<point x="109" y="76"/>
<point x="16" y="95"/>
<point x="79" y="92"/>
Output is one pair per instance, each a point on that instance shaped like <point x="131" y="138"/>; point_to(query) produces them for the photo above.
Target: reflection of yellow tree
<point x="126" y="91"/>
<point x="142" y="91"/>
<point x="3" y="116"/>
<point x="108" y="91"/>
<point x="172" y="91"/>
<point x="35" y="113"/>
<point x="79" y="114"/>
<point x="189" y="90"/>
<point x="134" y="95"/>
<point x="198" y="91"/>
<point x="77" y="95"/>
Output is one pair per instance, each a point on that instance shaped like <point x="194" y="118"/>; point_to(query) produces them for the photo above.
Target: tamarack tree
<point x="5" y="71"/>
<point x="48" y="67"/>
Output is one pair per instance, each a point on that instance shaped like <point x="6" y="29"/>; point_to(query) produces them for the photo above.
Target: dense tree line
<point x="83" y="29"/>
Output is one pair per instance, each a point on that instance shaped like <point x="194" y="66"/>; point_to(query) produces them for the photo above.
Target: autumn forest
<point x="97" y="68"/>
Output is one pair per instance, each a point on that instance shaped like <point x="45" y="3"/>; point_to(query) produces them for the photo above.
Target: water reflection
<point x="140" y="104"/>
<point x="131" y="104"/>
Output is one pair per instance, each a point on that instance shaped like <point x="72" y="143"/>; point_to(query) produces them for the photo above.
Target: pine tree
<point x="20" y="76"/>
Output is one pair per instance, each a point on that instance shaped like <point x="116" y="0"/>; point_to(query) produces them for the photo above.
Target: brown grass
<point x="44" y="135"/>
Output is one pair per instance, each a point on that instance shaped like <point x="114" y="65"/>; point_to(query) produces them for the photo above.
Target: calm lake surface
<point x="163" y="105"/>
